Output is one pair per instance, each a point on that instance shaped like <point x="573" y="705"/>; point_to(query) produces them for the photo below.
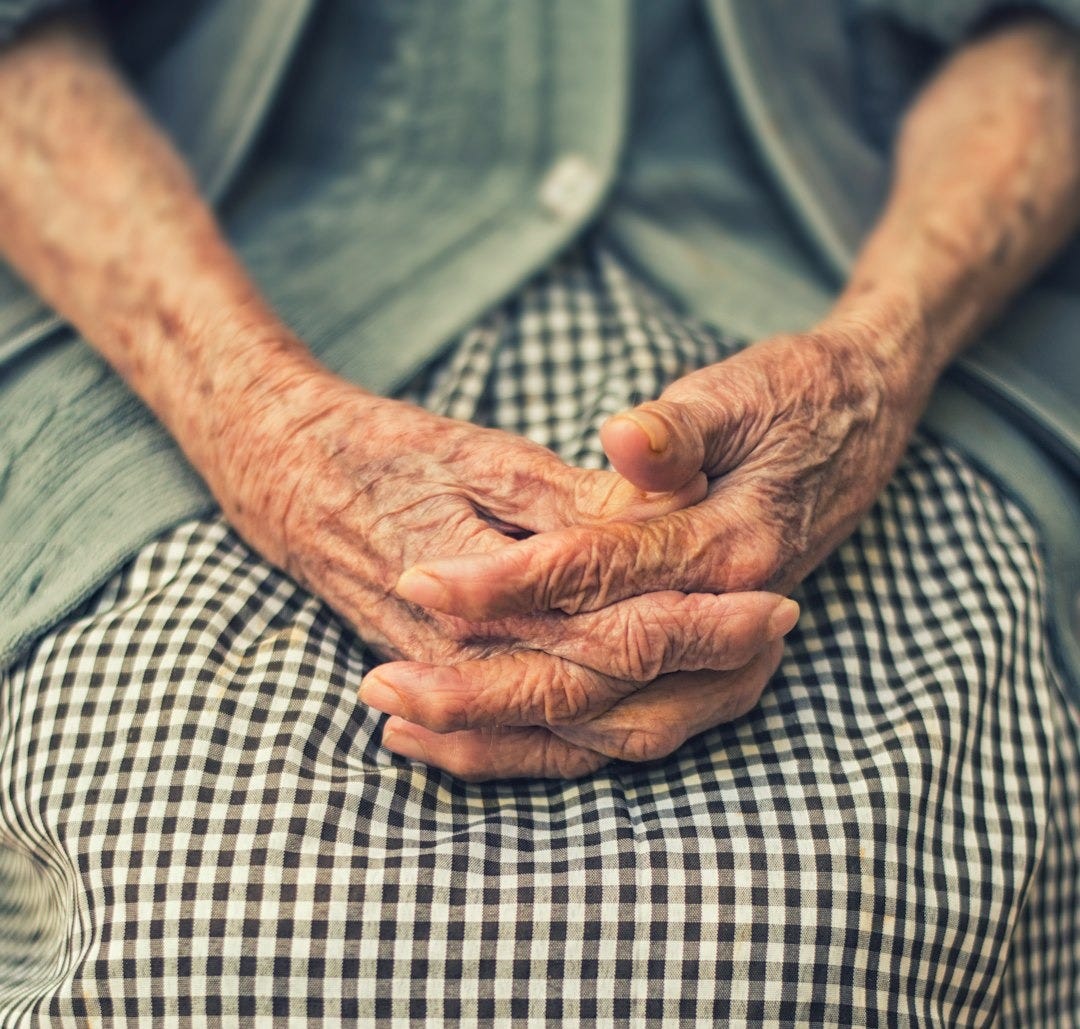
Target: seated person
<point x="589" y="782"/>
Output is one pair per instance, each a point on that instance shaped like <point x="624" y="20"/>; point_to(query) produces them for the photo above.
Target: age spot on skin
<point x="168" y="322"/>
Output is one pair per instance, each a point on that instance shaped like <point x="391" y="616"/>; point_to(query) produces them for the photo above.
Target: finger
<point x="340" y="574"/>
<point x="642" y="638"/>
<point x="479" y="755"/>
<point x="527" y="687"/>
<point x="576" y="569"/>
<point x="641" y="733"/>
<point x="546" y="494"/>
<point x="523" y="688"/>
<point x="655" y="446"/>
<point x="707" y="421"/>
<point x="656" y="721"/>
<point x="705" y="549"/>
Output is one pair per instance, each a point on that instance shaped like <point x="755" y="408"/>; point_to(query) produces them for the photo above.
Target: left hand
<point x="796" y="434"/>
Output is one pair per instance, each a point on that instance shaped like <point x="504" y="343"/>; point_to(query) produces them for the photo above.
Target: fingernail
<point x="404" y="744"/>
<point x="783" y="619"/>
<point x="653" y="427"/>
<point x="421" y="588"/>
<point x="376" y="692"/>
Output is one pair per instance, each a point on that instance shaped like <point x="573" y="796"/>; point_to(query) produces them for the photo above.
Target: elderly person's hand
<point x="796" y="435"/>
<point x="345" y="490"/>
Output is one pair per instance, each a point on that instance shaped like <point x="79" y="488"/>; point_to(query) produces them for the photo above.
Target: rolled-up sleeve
<point x="949" y="21"/>
<point x="15" y="15"/>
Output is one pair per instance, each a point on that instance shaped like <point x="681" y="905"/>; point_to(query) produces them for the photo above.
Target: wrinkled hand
<point x="796" y="434"/>
<point x="649" y="722"/>
<point x="344" y="491"/>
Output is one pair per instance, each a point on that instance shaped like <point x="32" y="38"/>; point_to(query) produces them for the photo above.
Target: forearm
<point x="102" y="219"/>
<point x="986" y="189"/>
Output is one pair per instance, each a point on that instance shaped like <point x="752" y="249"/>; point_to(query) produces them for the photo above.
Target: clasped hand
<point x="550" y="619"/>
<point x="795" y="435"/>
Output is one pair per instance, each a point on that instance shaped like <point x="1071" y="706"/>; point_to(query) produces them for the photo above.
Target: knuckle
<point x="565" y="705"/>
<point x="667" y="632"/>
<point x="535" y="687"/>
<point x="690" y="631"/>
<point x="579" y="695"/>
<point x="725" y="639"/>
<point x="545" y="691"/>
<point x="646" y="647"/>
<point x="581" y="582"/>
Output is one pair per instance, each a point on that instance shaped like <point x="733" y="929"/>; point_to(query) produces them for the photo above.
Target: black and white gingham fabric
<point x="197" y="823"/>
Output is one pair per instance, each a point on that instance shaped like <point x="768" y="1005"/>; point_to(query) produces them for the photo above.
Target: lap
<point x="197" y="817"/>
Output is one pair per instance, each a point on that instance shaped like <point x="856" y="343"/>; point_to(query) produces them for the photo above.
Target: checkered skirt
<point x="198" y="825"/>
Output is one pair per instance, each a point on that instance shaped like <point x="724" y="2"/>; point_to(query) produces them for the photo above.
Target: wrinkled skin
<point x="796" y="435"/>
<point x="344" y="491"/>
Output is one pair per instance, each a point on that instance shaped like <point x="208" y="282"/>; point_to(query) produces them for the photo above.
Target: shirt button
<point x="570" y="187"/>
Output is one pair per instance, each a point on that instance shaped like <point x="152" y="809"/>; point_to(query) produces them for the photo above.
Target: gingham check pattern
<point x="198" y="823"/>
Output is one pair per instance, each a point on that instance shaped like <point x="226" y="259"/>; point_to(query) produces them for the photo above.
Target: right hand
<point x="345" y="490"/>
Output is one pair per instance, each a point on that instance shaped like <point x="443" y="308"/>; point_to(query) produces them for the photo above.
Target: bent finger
<point x="523" y="688"/>
<point x="656" y="721"/>
<point x="656" y="446"/>
<point x="585" y="568"/>
<point x="644" y="637"/>
<point x="479" y="755"/>
<point x="609" y="656"/>
<point x="706" y="421"/>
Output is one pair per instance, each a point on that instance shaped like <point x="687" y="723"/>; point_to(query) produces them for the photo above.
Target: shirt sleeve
<point x="949" y="21"/>
<point x="15" y="15"/>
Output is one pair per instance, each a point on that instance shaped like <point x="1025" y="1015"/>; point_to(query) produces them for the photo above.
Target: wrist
<point x="888" y="326"/>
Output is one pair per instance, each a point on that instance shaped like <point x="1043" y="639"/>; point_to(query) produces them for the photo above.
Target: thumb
<point x="699" y="424"/>
<point x="654" y="445"/>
